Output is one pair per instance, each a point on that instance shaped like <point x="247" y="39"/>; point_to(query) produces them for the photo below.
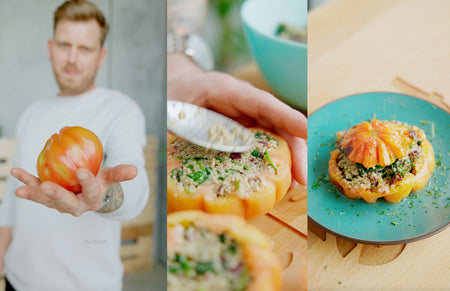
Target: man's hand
<point x="242" y="102"/>
<point x="94" y="189"/>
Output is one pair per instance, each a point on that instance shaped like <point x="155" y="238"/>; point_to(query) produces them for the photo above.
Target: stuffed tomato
<point x="381" y="159"/>
<point x="218" y="252"/>
<point x="246" y="184"/>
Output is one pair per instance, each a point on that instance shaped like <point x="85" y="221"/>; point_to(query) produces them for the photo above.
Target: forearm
<point x="125" y="146"/>
<point x="180" y="66"/>
<point x="113" y="199"/>
<point x="128" y="198"/>
<point x="183" y="79"/>
<point x="8" y="203"/>
<point x="185" y="16"/>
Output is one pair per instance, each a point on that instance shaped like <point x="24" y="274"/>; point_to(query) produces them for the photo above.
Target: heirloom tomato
<point x="73" y="148"/>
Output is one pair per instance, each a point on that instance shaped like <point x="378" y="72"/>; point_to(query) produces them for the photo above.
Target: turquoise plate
<point x="421" y="214"/>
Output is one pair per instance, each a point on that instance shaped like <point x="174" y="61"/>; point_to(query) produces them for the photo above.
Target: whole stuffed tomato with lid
<point x="73" y="148"/>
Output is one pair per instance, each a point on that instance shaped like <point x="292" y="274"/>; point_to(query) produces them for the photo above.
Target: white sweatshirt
<point x="54" y="251"/>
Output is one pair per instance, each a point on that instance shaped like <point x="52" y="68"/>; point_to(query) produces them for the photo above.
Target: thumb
<point x="89" y="185"/>
<point x="122" y="173"/>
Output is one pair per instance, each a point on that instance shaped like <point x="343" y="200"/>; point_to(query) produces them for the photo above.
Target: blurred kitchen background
<point x="225" y="35"/>
<point x="135" y="65"/>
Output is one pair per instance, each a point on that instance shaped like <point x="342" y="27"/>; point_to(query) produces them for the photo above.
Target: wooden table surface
<point x="286" y="225"/>
<point x="399" y="46"/>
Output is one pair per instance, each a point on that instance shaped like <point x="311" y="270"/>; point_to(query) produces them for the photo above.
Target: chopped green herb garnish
<point x="233" y="247"/>
<point x="174" y="269"/>
<point x="176" y="174"/>
<point x="183" y="262"/>
<point x="203" y="267"/>
<point x="266" y="154"/>
<point x="232" y="170"/>
<point x="236" y="184"/>
<point x="256" y="154"/>
<point x="261" y="134"/>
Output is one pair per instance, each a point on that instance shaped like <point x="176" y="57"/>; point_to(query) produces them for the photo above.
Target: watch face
<point x="198" y="49"/>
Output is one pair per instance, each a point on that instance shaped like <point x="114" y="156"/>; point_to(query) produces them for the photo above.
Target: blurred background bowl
<point x="282" y="62"/>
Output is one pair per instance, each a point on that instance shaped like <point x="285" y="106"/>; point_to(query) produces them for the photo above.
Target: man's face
<point x="76" y="54"/>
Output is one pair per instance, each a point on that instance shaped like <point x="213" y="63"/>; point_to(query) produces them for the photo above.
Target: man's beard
<point x="69" y="85"/>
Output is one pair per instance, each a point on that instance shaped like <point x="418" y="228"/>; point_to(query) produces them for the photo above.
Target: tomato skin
<point x="73" y="148"/>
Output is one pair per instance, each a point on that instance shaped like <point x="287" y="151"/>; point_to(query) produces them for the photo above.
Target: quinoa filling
<point x="230" y="173"/>
<point x="206" y="261"/>
<point x="291" y="32"/>
<point x="380" y="178"/>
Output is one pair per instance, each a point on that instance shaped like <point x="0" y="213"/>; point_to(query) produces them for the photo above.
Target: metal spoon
<point x="207" y="128"/>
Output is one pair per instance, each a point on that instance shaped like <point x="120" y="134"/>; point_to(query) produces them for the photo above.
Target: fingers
<point x="300" y="158"/>
<point x="235" y="98"/>
<point x="294" y="184"/>
<point x="124" y="173"/>
<point x="59" y="198"/>
<point x="299" y="153"/>
<point x="24" y="177"/>
<point x="50" y="195"/>
<point x="55" y="196"/>
<point x="91" y="188"/>
<point x="118" y="173"/>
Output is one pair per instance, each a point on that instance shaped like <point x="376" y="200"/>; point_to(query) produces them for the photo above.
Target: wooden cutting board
<point x="359" y="46"/>
<point x="337" y="264"/>
<point x="286" y="224"/>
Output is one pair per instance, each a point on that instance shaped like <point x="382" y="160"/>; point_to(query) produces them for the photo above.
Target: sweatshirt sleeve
<point x="7" y="205"/>
<point x="124" y="145"/>
<point x="9" y="198"/>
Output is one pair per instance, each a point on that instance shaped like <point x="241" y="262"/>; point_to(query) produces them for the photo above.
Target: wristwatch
<point x="193" y="46"/>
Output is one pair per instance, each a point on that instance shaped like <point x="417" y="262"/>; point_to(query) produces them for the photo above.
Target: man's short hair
<point x="81" y="10"/>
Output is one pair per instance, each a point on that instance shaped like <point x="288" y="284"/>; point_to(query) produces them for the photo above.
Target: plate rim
<point x="369" y="92"/>
<point x="380" y="242"/>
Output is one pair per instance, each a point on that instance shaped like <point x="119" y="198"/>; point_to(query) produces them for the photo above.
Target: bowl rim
<point x="270" y="36"/>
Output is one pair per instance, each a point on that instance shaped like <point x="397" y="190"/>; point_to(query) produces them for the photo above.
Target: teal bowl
<point x="282" y="62"/>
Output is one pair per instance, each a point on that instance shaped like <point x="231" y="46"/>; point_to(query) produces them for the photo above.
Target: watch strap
<point x="193" y="46"/>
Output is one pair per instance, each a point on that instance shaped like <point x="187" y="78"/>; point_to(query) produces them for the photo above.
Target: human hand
<point x="94" y="189"/>
<point x="242" y="102"/>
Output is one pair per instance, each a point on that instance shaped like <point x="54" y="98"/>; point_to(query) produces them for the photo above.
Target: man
<point x="50" y="238"/>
